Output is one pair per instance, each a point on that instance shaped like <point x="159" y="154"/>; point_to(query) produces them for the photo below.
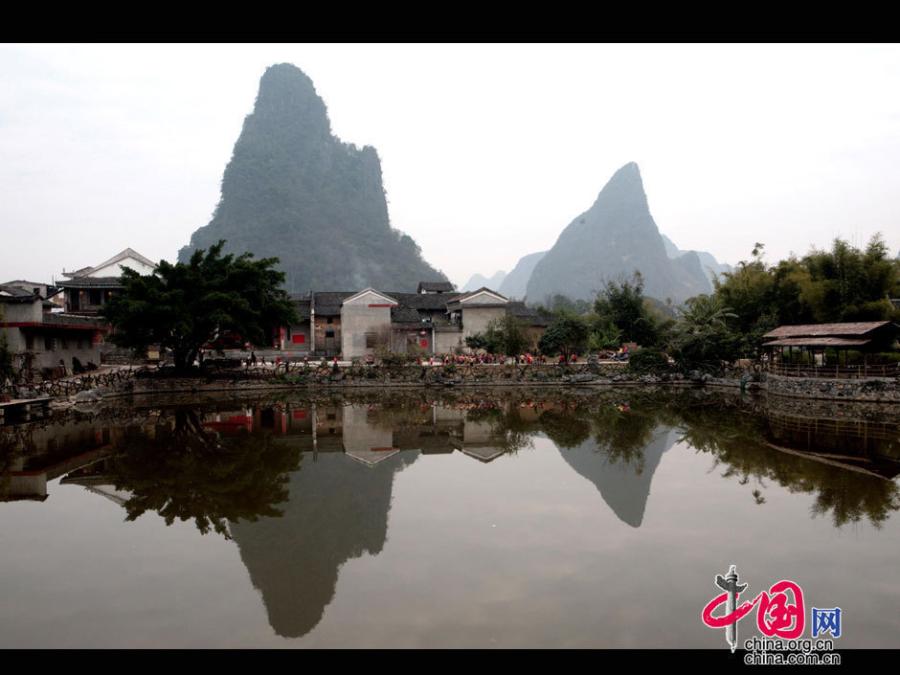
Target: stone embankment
<point x="261" y="378"/>
<point x="874" y="389"/>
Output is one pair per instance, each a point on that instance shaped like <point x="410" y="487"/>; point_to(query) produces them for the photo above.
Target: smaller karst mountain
<point x="477" y="281"/>
<point x="293" y="190"/>
<point x="710" y="265"/>
<point x="608" y="242"/>
<point x="516" y="282"/>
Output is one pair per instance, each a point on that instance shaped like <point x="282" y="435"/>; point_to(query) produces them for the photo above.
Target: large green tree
<point x="702" y="337"/>
<point x="622" y="305"/>
<point x="183" y="306"/>
<point x="568" y="334"/>
<point x="506" y="335"/>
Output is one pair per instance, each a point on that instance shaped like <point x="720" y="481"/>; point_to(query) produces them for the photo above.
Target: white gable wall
<point x="484" y="297"/>
<point x="115" y="270"/>
<point x="359" y="317"/>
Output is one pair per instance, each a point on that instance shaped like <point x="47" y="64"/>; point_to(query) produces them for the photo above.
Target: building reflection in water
<point x="304" y="486"/>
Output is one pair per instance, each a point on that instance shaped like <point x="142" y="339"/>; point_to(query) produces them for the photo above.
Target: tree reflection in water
<point x="738" y="441"/>
<point x="180" y="470"/>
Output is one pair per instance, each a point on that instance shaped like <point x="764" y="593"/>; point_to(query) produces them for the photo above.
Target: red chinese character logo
<point x="780" y="612"/>
<point x="777" y="615"/>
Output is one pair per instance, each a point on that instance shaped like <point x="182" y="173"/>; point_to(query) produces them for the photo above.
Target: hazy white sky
<point x="487" y="151"/>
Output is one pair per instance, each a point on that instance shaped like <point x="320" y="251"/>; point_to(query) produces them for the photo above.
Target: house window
<point x="95" y="296"/>
<point x="65" y="344"/>
<point x="329" y="320"/>
<point x="371" y="340"/>
<point x="329" y="333"/>
<point x="29" y="343"/>
<point x="49" y="344"/>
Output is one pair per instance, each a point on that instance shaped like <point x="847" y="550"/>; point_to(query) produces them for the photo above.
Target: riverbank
<point x="413" y="376"/>
<point x="379" y="377"/>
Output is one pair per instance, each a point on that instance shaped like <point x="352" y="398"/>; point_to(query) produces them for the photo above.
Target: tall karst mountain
<point x="293" y="190"/>
<point x="611" y="240"/>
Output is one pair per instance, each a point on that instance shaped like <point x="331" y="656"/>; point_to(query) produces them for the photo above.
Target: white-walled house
<point x="88" y="289"/>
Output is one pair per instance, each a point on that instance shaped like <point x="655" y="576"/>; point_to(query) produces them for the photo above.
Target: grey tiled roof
<point x="301" y="304"/>
<point x="328" y="303"/>
<point x="524" y="313"/>
<point x="127" y="253"/>
<point x="62" y="319"/>
<point x="435" y="287"/>
<point x="849" y="330"/>
<point x="14" y="294"/>
<point x="425" y="301"/>
<point x="91" y="282"/>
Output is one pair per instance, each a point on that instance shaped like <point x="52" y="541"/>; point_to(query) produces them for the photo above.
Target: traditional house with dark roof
<point x="87" y="290"/>
<point x="41" y="340"/>
<point x="52" y="295"/>
<point x="435" y="320"/>
<point x="435" y="287"/>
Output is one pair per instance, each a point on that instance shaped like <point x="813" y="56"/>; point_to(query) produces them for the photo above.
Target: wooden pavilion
<point x="822" y="346"/>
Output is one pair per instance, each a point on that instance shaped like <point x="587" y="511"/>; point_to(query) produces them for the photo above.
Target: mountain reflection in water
<point x="302" y="485"/>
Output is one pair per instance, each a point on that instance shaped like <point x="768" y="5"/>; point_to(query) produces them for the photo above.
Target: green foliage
<point x="392" y="359"/>
<point x="604" y="334"/>
<point x="622" y="305"/>
<point x="506" y="335"/>
<point x="648" y="361"/>
<point x="702" y="339"/>
<point x="843" y="284"/>
<point x="478" y="341"/>
<point x="183" y="306"/>
<point x="513" y="335"/>
<point x="559" y="303"/>
<point x="568" y="334"/>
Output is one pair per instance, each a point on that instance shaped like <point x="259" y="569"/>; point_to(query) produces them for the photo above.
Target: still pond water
<point x="492" y="519"/>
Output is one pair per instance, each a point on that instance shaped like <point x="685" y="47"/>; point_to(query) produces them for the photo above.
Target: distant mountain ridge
<point x="614" y="237"/>
<point x="707" y="260"/>
<point x="477" y="281"/>
<point x="293" y="190"/>
<point x="515" y="284"/>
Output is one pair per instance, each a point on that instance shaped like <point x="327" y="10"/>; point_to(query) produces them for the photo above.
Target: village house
<point x="52" y="295"/>
<point x="435" y="319"/>
<point x="45" y="342"/>
<point x="88" y="289"/>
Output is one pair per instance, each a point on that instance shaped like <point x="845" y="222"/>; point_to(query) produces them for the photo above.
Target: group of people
<point x="459" y="359"/>
<point x="473" y="359"/>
